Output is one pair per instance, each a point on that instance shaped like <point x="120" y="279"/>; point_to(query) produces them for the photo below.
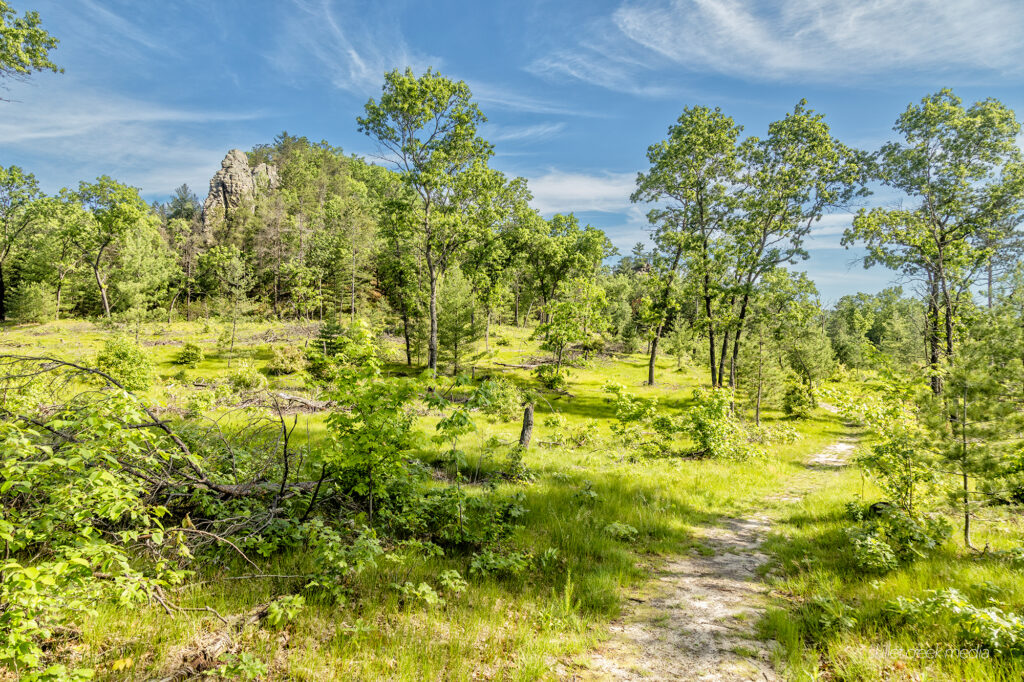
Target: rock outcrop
<point x="234" y="184"/>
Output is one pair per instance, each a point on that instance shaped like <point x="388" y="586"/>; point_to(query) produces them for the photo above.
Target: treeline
<point x="435" y="245"/>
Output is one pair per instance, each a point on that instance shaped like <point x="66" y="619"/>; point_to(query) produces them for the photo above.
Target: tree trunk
<point x="721" y="358"/>
<point x="60" y="289"/>
<point x="405" y="333"/>
<point x="515" y="320"/>
<point x="711" y="332"/>
<point x="654" y="357"/>
<point x="933" y="337"/>
<point x="432" y="343"/>
<point x="3" y="295"/>
<point x="487" y="332"/>
<point x="527" y="432"/>
<point x="103" y="290"/>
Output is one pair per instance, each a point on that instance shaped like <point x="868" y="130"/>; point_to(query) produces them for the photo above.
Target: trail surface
<point x="696" y="620"/>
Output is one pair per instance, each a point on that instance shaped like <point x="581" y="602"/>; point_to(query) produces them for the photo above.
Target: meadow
<point x="826" y="620"/>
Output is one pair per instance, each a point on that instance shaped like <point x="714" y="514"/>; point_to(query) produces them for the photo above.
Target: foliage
<point x="124" y="361"/>
<point x="190" y="355"/>
<point x="33" y="302"/>
<point x="505" y="400"/>
<point x="25" y="46"/>
<point x="714" y="431"/>
<point x="890" y="536"/>
<point x="621" y="531"/>
<point x="503" y="564"/>
<point x="73" y="512"/>
<point x="639" y="423"/>
<point x="996" y="630"/>
<point x="286" y="360"/>
<point x="245" y="377"/>
<point x="551" y="377"/>
<point x="798" y="400"/>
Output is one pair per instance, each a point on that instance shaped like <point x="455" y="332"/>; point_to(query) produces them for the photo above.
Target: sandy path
<point x="696" y="620"/>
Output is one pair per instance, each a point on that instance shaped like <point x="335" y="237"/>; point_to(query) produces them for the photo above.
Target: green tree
<point x="457" y="326"/>
<point x="789" y="180"/>
<point x="225" y="272"/>
<point x="692" y="178"/>
<point x="428" y="126"/>
<point x="962" y="170"/>
<point x="20" y="217"/>
<point x="113" y="211"/>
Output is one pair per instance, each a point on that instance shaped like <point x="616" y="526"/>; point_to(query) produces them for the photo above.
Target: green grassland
<point x="540" y="624"/>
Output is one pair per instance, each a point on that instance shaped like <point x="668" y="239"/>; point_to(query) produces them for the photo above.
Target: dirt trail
<point x="696" y="620"/>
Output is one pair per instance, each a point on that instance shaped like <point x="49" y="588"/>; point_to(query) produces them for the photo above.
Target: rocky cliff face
<point x="235" y="183"/>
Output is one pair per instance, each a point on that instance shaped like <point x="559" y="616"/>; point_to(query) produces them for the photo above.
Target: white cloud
<point x="821" y="40"/>
<point x="74" y="134"/>
<point x="503" y="98"/>
<point x="563" y="192"/>
<point x="540" y="131"/>
<point x="353" y="45"/>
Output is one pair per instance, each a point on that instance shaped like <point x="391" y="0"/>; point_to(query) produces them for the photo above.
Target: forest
<point x="380" y="418"/>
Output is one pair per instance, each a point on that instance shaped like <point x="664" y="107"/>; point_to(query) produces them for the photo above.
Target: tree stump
<point x="524" y="436"/>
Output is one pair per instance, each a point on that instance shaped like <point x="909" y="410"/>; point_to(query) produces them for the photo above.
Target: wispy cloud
<point x="503" y="98"/>
<point x="563" y="192"/>
<point x="815" y="38"/>
<point x="73" y="134"/>
<point x="353" y="44"/>
<point x="605" y="59"/>
<point x="114" y="24"/>
<point x="821" y="40"/>
<point x="527" y="133"/>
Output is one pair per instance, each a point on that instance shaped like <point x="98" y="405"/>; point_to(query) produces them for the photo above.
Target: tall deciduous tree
<point x="20" y="215"/>
<point x="962" y="170"/>
<point x="692" y="179"/>
<point x="427" y="127"/>
<point x="789" y="180"/>
<point x="113" y="210"/>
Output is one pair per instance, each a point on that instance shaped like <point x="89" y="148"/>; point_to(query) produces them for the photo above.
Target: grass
<point x="531" y="627"/>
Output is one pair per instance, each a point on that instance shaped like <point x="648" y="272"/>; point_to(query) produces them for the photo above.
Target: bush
<point x="286" y="360"/>
<point x="245" y="377"/>
<point x="622" y="531"/>
<point x="509" y="564"/>
<point x="123" y="360"/>
<point x="550" y="377"/>
<point x="798" y="400"/>
<point x="190" y="355"/>
<point x="772" y="434"/>
<point x="893" y="536"/>
<point x="713" y="429"/>
<point x="33" y="302"/>
<point x="504" y="399"/>
<point x="992" y="629"/>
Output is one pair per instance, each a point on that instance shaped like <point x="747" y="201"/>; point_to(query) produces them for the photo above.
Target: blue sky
<point x="154" y="94"/>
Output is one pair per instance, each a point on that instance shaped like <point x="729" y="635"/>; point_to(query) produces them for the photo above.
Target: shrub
<point x="893" y="536"/>
<point x="639" y="423"/>
<point x="622" y="531"/>
<point x="33" y="302"/>
<point x="286" y="360"/>
<point x="245" y="377"/>
<point x="123" y="360"/>
<point x="713" y="429"/>
<point x="992" y="628"/>
<point x="774" y="433"/>
<point x="798" y="400"/>
<point x="190" y="355"/>
<point x="550" y="377"/>
<point x="508" y="564"/>
<point x="504" y="399"/>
